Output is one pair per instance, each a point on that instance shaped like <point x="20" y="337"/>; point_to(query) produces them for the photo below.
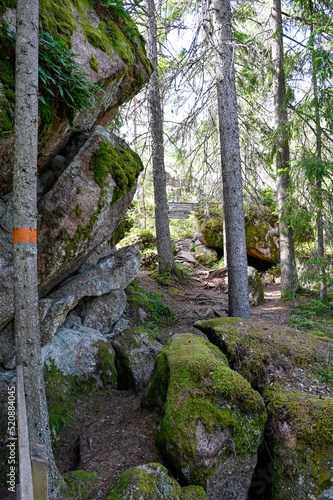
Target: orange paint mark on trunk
<point x="24" y="235"/>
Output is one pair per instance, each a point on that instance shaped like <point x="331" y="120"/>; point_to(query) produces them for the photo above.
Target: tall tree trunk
<point x="289" y="280"/>
<point x="28" y="349"/>
<point x="231" y="162"/>
<point x="164" y="245"/>
<point x="320" y="223"/>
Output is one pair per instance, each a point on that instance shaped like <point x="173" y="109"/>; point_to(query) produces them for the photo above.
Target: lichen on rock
<point x="212" y="419"/>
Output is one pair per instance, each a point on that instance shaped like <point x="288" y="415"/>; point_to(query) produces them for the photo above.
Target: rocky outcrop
<point x="286" y="366"/>
<point x="83" y="208"/>
<point x="151" y="482"/>
<point x="84" y="359"/>
<point x="87" y="176"/>
<point x="262" y="239"/>
<point x="112" y="55"/>
<point x="261" y="231"/>
<point x="212" y="420"/>
<point x="100" y="291"/>
<point x="136" y="351"/>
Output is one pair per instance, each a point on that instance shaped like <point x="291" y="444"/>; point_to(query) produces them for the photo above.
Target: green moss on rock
<point x="286" y="366"/>
<point x="57" y="18"/>
<point x="123" y="164"/>
<point x="262" y="240"/>
<point x="106" y="364"/>
<point x="62" y="391"/>
<point x="198" y="385"/>
<point x="212" y="231"/>
<point x="151" y="482"/>
<point x="93" y="63"/>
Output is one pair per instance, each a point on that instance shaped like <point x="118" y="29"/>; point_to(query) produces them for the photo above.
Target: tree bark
<point x="230" y="160"/>
<point x="28" y="350"/>
<point x="320" y="223"/>
<point x="164" y="245"/>
<point x="289" y="282"/>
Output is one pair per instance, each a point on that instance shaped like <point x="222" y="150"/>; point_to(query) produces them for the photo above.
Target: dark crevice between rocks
<point x="261" y="484"/>
<point x="258" y="264"/>
<point x="49" y="175"/>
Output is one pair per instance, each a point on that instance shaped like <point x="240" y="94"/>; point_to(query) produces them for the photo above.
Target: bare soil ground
<point x="110" y="431"/>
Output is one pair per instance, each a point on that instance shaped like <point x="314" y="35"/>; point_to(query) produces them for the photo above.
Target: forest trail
<point x="110" y="431"/>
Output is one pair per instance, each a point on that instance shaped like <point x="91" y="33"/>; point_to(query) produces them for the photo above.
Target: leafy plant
<point x="62" y="81"/>
<point x="61" y="76"/>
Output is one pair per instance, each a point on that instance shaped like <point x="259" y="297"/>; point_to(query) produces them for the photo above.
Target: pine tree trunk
<point x="28" y="349"/>
<point x="287" y="251"/>
<point x="320" y="223"/>
<point x="164" y="245"/>
<point x="231" y="162"/>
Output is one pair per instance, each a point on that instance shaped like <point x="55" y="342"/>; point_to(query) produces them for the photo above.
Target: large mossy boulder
<point x="286" y="366"/>
<point x="212" y="419"/>
<point x="262" y="239"/>
<point x="211" y="232"/>
<point x="261" y="231"/>
<point x="152" y="482"/>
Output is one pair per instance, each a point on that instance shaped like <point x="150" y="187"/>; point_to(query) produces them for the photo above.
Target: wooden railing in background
<point x="33" y="463"/>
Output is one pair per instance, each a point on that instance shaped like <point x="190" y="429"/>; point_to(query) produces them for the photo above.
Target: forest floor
<point x="110" y="431"/>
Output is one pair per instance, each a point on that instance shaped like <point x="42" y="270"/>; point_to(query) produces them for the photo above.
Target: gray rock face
<point x="136" y="352"/>
<point x="327" y="494"/>
<point x="76" y="216"/>
<point x="113" y="273"/>
<point x="103" y="312"/>
<point x="107" y="281"/>
<point x="75" y="351"/>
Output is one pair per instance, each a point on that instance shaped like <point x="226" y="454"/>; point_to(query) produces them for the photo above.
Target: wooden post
<point x="39" y="465"/>
<point x="25" y="473"/>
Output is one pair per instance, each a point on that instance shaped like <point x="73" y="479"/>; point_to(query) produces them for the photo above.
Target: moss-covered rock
<point x="76" y="361"/>
<point x="256" y="290"/>
<point x="111" y="52"/>
<point x="286" y="365"/>
<point x="213" y="421"/>
<point x="211" y="230"/>
<point x="151" y="482"/>
<point x="205" y="255"/>
<point x="261" y="230"/>
<point x="136" y="351"/>
<point x="262" y="239"/>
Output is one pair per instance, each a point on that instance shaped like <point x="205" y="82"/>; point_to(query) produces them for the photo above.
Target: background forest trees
<point x="189" y="95"/>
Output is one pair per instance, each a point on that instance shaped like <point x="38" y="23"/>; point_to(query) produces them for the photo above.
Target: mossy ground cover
<point x="194" y="379"/>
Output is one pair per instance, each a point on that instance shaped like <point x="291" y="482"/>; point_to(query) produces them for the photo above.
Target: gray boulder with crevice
<point x="136" y="351"/>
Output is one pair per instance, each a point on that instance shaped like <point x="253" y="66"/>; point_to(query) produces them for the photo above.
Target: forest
<point x="166" y="249"/>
